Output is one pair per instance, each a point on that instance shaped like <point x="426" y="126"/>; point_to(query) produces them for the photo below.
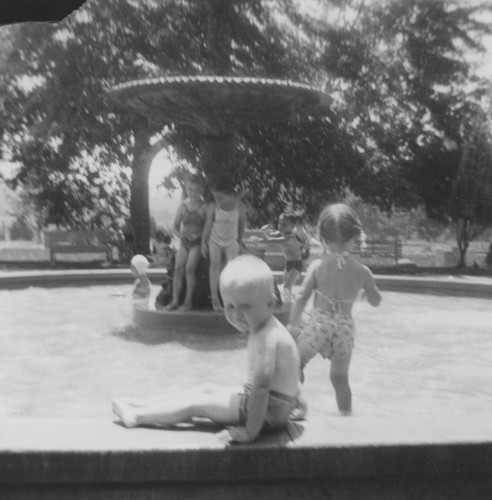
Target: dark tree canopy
<point x="397" y="72"/>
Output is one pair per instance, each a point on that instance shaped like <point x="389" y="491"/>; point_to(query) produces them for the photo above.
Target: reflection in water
<point x="192" y="340"/>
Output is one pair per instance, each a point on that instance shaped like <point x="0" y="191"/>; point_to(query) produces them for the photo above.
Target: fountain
<point x="216" y="107"/>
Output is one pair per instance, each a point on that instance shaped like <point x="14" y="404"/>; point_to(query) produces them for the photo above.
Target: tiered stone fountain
<point x="216" y="107"/>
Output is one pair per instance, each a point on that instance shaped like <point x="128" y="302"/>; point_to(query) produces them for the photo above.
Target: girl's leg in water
<point x="339" y="378"/>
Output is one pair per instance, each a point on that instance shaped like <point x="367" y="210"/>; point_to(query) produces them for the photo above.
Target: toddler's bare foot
<point x="171" y="306"/>
<point x="135" y="402"/>
<point x="125" y="413"/>
<point x="184" y="308"/>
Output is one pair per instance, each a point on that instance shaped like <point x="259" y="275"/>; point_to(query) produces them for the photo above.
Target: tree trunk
<point x="143" y="154"/>
<point x="463" y="240"/>
<point x="219" y="156"/>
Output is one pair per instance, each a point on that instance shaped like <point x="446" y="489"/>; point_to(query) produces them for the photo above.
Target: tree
<point x="57" y="114"/>
<point x="465" y="198"/>
<point x="405" y="73"/>
<point x="385" y="66"/>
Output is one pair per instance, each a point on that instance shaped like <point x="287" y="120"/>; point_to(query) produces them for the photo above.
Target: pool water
<point x="68" y="352"/>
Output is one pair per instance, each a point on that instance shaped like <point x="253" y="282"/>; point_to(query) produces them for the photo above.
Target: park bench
<point x="390" y="249"/>
<point x="78" y="242"/>
<point x="375" y="249"/>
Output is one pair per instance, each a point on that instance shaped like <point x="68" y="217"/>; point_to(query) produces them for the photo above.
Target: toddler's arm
<point x="264" y="363"/>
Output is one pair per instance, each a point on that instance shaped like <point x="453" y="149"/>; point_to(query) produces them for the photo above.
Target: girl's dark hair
<point x="339" y="223"/>
<point x="225" y="184"/>
<point x="166" y="237"/>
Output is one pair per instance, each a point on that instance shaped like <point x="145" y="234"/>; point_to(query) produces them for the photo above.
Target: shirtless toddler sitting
<point x="266" y="401"/>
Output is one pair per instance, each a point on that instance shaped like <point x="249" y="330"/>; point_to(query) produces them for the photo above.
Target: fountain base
<point x="208" y="322"/>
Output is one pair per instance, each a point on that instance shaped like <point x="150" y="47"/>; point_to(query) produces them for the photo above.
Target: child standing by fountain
<point x="335" y="280"/>
<point x="269" y="397"/>
<point x="294" y="246"/>
<point x="188" y="227"/>
<point x="223" y="232"/>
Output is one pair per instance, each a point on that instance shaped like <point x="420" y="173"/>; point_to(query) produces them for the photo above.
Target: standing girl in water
<point x="335" y="280"/>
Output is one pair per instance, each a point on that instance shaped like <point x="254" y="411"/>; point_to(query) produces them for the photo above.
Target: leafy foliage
<point x="397" y="72"/>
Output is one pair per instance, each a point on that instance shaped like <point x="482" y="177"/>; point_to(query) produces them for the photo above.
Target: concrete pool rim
<point x="386" y="457"/>
<point x="466" y="286"/>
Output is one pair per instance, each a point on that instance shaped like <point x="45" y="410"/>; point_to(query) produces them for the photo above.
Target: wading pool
<point x="68" y="351"/>
<point x="420" y="379"/>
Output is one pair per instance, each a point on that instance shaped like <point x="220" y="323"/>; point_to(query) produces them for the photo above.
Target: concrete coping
<point x="94" y="451"/>
<point x="440" y="285"/>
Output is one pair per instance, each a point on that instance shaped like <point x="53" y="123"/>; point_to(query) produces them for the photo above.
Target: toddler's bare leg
<point x="339" y="379"/>
<point x="220" y="405"/>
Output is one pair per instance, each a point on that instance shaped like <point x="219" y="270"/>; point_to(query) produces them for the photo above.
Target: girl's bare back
<point x="341" y="283"/>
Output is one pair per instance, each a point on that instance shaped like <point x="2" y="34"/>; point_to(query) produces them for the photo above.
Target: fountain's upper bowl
<point x="216" y="105"/>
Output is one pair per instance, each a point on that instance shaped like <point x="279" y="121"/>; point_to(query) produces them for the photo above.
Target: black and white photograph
<point x="246" y="249"/>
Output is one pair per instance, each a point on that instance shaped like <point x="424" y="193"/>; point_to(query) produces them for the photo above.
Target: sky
<point x="163" y="204"/>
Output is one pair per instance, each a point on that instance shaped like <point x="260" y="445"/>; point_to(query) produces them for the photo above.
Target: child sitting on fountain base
<point x="269" y="397"/>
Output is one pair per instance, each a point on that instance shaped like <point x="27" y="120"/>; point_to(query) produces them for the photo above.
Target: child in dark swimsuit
<point x="188" y="227"/>
<point x="335" y="280"/>
<point x="294" y="247"/>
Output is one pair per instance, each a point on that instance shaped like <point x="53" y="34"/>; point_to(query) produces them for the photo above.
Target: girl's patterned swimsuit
<point x="329" y="331"/>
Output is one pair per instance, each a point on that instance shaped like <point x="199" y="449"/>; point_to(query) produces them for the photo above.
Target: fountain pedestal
<point x="216" y="107"/>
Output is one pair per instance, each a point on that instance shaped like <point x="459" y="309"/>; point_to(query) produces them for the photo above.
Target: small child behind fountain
<point x="162" y="250"/>
<point x="223" y="232"/>
<point x="335" y="280"/>
<point x="269" y="397"/>
<point x="142" y="285"/>
<point x="294" y="247"/>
